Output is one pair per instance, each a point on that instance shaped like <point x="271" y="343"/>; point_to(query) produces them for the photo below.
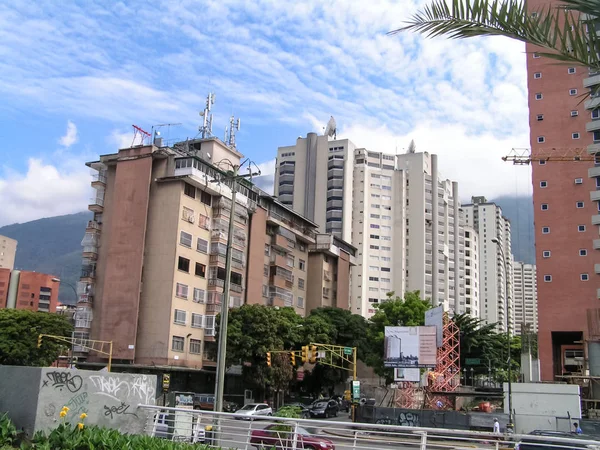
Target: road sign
<point x="472" y="361"/>
<point x="356" y="390"/>
<point x="347" y="350"/>
<point x="321" y="354"/>
<point x="166" y="381"/>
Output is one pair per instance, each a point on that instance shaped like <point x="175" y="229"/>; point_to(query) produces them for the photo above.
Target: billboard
<point x="435" y="317"/>
<point x="410" y="347"/>
<point x="407" y="375"/>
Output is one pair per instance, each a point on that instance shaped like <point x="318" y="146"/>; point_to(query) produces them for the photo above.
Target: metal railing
<point x="239" y="431"/>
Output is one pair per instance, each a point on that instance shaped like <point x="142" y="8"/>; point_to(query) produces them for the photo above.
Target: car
<point x="324" y="408"/>
<point x="247" y="412"/>
<point x="161" y="427"/>
<point x="275" y="436"/>
<point x="538" y="444"/>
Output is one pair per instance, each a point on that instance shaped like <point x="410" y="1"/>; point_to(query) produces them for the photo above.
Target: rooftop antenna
<point x="138" y="132"/>
<point x="234" y="126"/>
<point x="206" y="128"/>
<point x="156" y="133"/>
<point x="331" y="129"/>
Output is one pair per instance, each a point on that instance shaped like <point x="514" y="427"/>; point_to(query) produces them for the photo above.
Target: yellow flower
<point x="80" y="426"/>
<point x="65" y="409"/>
<point x="63" y="413"/>
<point x="83" y="416"/>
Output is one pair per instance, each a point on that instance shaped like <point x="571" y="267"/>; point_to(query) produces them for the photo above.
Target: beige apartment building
<point x="8" y="251"/>
<point x="156" y="249"/>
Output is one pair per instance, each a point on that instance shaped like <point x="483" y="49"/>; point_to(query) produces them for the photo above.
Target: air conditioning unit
<point x="190" y="219"/>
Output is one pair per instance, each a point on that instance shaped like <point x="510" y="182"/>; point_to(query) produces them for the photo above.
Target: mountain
<point x="519" y="210"/>
<point x="51" y="245"/>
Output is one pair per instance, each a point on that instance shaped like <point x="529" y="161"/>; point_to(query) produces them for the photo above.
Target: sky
<point x="76" y="75"/>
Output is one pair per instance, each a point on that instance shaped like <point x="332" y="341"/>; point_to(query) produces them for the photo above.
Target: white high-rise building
<point x="486" y="218"/>
<point x="383" y="204"/>
<point x="471" y="302"/>
<point x="525" y="296"/>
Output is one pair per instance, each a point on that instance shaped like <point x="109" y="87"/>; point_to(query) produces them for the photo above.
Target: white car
<point x="247" y="412"/>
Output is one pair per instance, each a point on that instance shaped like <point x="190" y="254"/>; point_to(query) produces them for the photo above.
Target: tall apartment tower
<point x="525" y="297"/>
<point x="471" y="303"/>
<point x="564" y="233"/>
<point x="486" y="218"/>
<point x="314" y="178"/>
<point x="8" y="251"/>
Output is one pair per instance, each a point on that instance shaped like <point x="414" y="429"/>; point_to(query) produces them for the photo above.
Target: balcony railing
<point x="216" y="282"/>
<point x="236" y="288"/>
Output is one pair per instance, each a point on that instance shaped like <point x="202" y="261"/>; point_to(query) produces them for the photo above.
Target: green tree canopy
<point x="19" y="331"/>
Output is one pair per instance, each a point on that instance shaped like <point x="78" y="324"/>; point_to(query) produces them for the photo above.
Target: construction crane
<point x="524" y="156"/>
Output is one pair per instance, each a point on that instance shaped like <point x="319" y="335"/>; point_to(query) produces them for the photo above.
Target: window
<point x="536" y="55"/>
<point x="181" y="290"/>
<point x="579" y="204"/>
<point x="180" y="317"/>
<point x="183" y="264"/>
<point x="300" y="302"/>
<point x="542" y="162"/>
<point x="546" y="254"/>
<point x="189" y="190"/>
<point x="374" y="216"/>
<point x="574" y="113"/>
<point x="581" y="228"/>
<point x="578" y="180"/>
<point x="197" y="320"/>
<point x="572" y="91"/>
<point x="202" y="245"/>
<point x="547" y="278"/>
<point x="301" y="264"/>
<point x="185" y="239"/>
<point x="187" y="215"/>
<point x="199" y="295"/>
<point x="596" y="113"/>
<point x="538" y="96"/>
<point x="544" y="206"/>
<point x="300" y="283"/>
<point x="373" y="279"/>
<point x="545" y="230"/>
<point x="200" y="270"/>
<point x="374" y="236"/>
<point x="178" y="344"/>
<point x="540" y="117"/>
<point x="537" y="75"/>
<point x="267" y="249"/>
<point x="571" y="70"/>
<point x="205" y="198"/>
<point x="543" y="184"/>
<point x="541" y="139"/>
<point x="596" y="136"/>
<point x="209" y="322"/>
<point x="583" y="252"/>
<point x="584" y="277"/>
<point x="575" y="135"/>
<point x="195" y="346"/>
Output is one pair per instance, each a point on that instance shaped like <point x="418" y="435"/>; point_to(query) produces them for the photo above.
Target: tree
<point x="412" y="148"/>
<point x="393" y="312"/>
<point x="282" y="373"/>
<point x="556" y="29"/>
<point x="19" y="331"/>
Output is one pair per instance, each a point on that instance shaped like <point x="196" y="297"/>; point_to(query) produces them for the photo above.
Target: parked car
<point x="273" y="437"/>
<point x="304" y="413"/>
<point x="253" y="409"/>
<point x="324" y="408"/>
<point x="540" y="444"/>
<point x="206" y="402"/>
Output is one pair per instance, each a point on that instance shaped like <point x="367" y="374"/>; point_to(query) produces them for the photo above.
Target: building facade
<point x="32" y="291"/>
<point x="495" y="261"/>
<point x="8" y="252"/>
<point x="471" y="302"/>
<point x="525" y="297"/>
<point x="155" y="253"/>
<point x="564" y="233"/>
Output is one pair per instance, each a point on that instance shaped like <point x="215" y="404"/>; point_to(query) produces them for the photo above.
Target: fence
<point x="236" y="431"/>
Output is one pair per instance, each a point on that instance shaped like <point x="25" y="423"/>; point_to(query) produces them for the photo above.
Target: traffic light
<point x="293" y="358"/>
<point x="269" y="359"/>
<point x="313" y="354"/>
<point x="39" y="344"/>
<point x="304" y="353"/>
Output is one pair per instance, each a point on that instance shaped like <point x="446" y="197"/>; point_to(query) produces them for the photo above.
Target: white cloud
<point x="120" y="139"/>
<point x="44" y="190"/>
<point x="70" y="137"/>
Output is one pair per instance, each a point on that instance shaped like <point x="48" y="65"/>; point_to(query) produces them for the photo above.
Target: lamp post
<point x="506" y="282"/>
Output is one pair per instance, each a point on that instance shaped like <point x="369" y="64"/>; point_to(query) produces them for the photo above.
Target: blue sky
<point x="76" y="75"/>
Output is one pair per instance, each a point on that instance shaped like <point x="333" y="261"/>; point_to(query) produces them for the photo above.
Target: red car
<point x="273" y="437"/>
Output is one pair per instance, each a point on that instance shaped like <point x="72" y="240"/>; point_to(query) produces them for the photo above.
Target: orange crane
<point x="524" y="156"/>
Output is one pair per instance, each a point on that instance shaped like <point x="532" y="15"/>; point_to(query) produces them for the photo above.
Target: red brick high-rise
<point x="564" y="234"/>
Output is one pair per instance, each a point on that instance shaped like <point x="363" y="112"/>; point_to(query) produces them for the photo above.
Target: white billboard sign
<point x="435" y="317"/>
<point x="410" y="347"/>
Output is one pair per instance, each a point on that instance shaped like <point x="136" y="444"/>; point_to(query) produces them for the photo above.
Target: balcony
<point x="281" y="242"/>
<point x="597" y="268"/>
<point x="593" y="125"/>
<point x="90" y="252"/>
<point x="93" y="226"/>
<point x="595" y="196"/>
<point x="596" y="219"/>
<point x="208" y="359"/>
<point x="217" y="260"/>
<point x="593" y="149"/>
<point x="213" y="308"/>
<point x="88" y="273"/>
<point x="594" y="172"/>
<point x="278" y="260"/>
<point x="96" y="204"/>
<point x="591" y="81"/>
<point x="592" y="103"/>
<point x="596" y="244"/>
<point x="281" y="282"/>
<point x="216" y="283"/>
<point x="236" y="287"/>
<point x="99" y="180"/>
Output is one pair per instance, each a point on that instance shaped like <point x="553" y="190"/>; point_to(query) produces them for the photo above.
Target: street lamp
<point x="506" y="282"/>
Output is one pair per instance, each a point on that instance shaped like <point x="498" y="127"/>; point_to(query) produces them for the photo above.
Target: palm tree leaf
<point x="560" y="30"/>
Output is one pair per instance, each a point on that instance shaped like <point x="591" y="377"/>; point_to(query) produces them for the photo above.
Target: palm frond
<point x="561" y="31"/>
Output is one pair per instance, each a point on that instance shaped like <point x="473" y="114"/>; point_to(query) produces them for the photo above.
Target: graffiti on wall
<point x="141" y="388"/>
<point x="63" y="380"/>
<point x="404" y="419"/>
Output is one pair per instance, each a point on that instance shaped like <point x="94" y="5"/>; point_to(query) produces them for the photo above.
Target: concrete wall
<point x="34" y="396"/>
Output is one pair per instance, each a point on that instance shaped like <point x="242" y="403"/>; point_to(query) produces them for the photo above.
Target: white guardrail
<point x="235" y="431"/>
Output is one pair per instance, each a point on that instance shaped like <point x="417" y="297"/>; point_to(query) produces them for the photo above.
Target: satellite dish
<point x="331" y="129"/>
